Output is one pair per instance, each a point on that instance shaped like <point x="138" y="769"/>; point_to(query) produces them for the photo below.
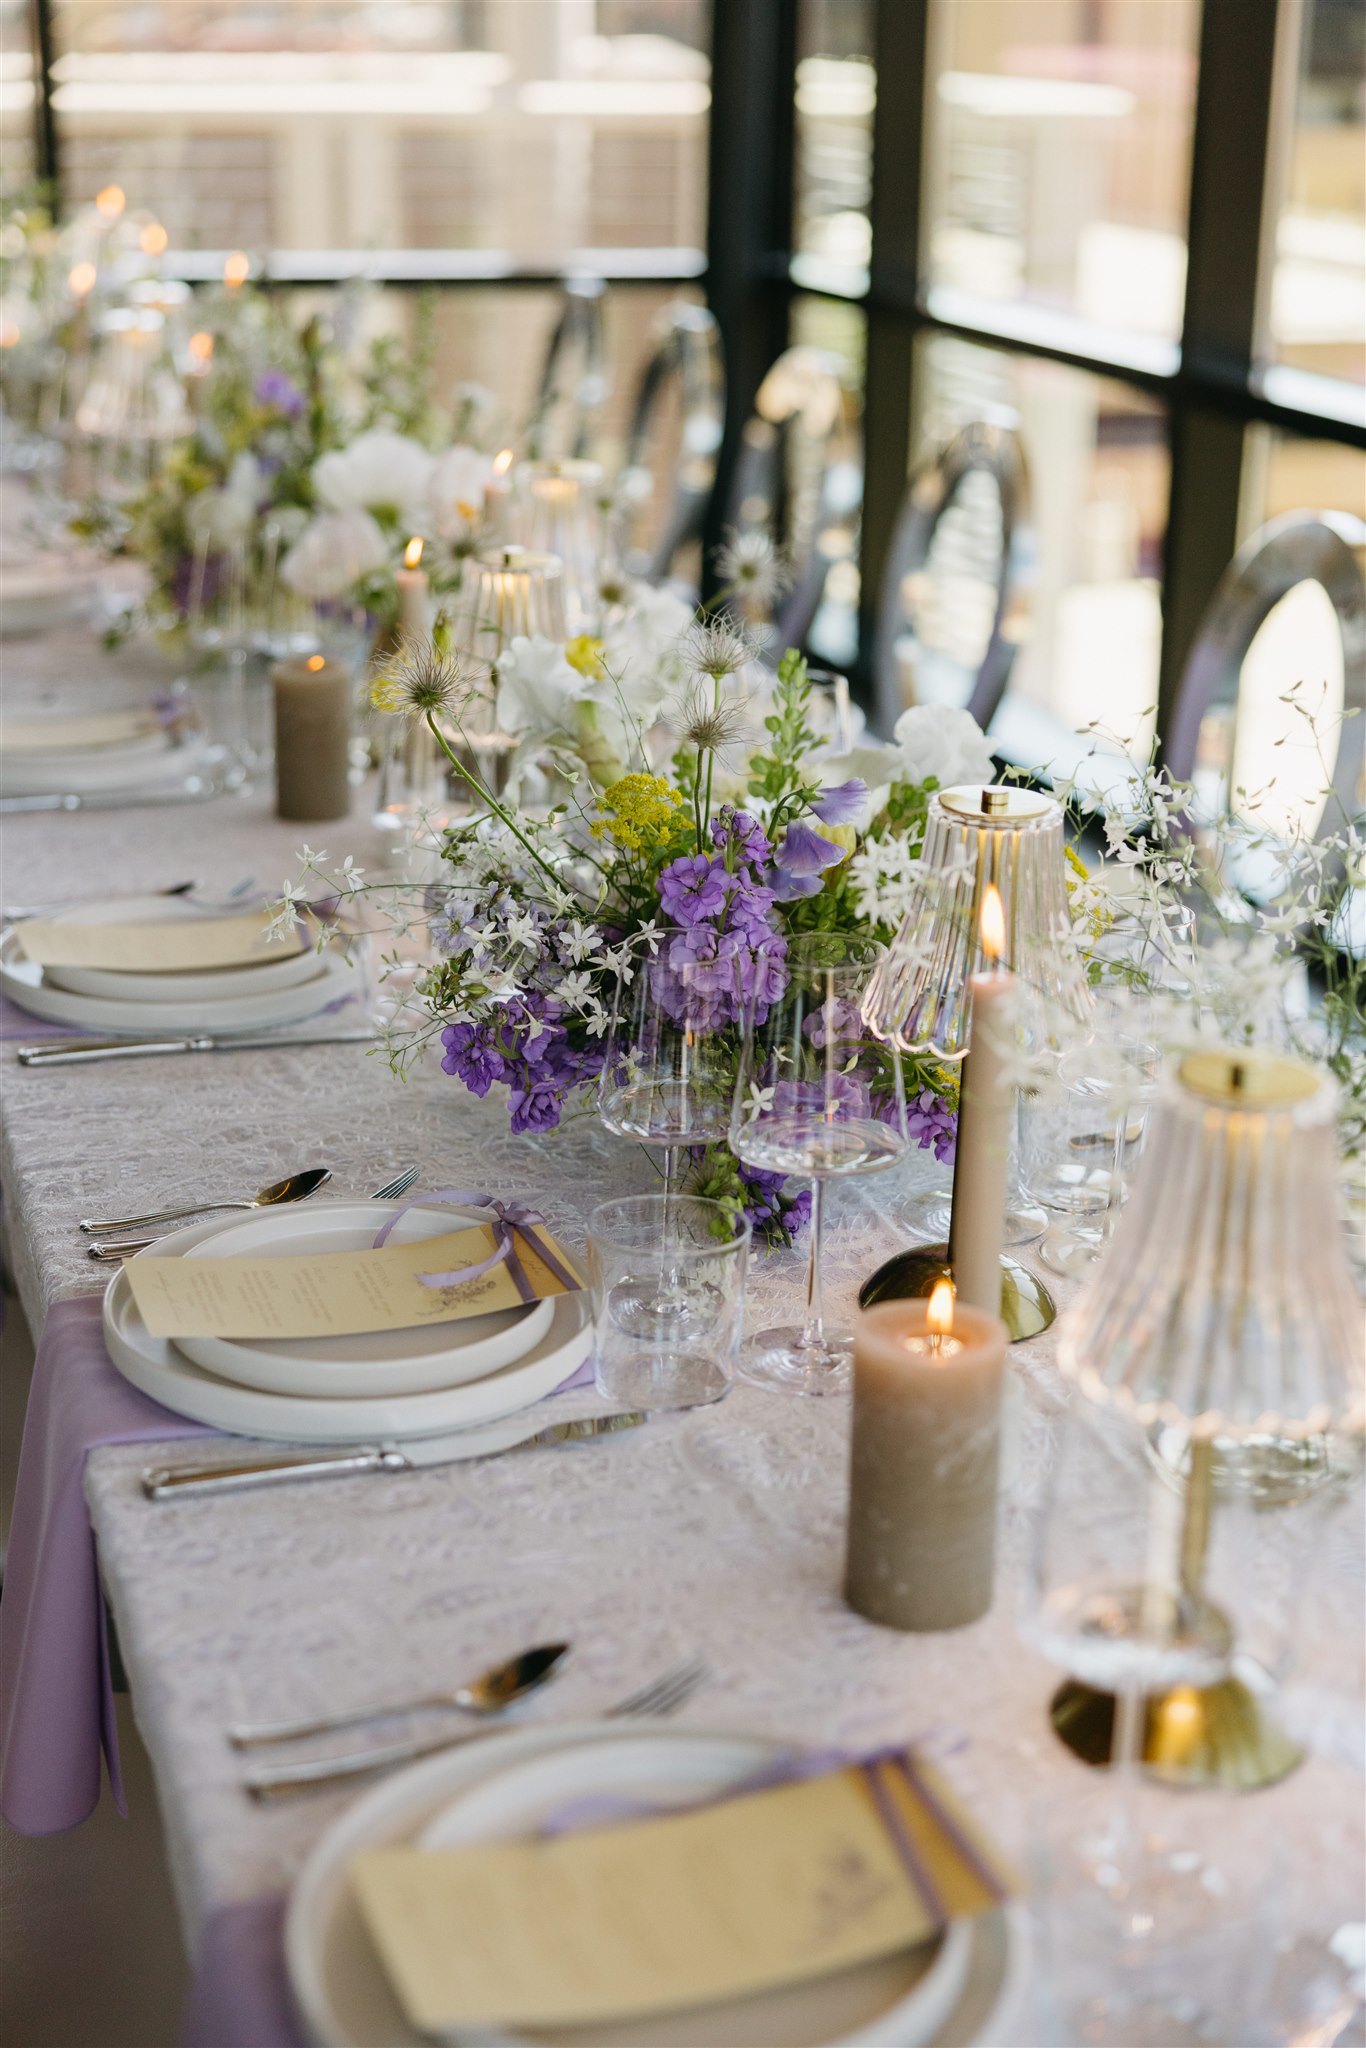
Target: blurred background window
<point x="836" y="92"/>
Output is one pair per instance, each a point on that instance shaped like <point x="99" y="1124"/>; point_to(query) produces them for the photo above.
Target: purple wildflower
<point x="801" y="860"/>
<point x="843" y="804"/>
<point x="692" y="888"/>
<point x="276" y="389"/>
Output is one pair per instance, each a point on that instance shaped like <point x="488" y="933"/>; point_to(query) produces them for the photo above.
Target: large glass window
<point x="1086" y="612"/>
<point x="1058" y="168"/>
<point x="1317" y="312"/>
<point x="16" y="96"/>
<point x="533" y="127"/>
<point x="835" y="94"/>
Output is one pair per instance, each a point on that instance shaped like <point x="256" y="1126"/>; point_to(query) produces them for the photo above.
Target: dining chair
<point x="954" y="607"/>
<point x="798" y="478"/>
<point x="667" y="495"/>
<point x="1221" y="689"/>
<point x="576" y="377"/>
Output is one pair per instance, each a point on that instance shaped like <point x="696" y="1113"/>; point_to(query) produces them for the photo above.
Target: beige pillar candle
<point x="923" y="1462"/>
<point x="312" y="739"/>
<point x="986" y="1109"/>
<point x="414" y="609"/>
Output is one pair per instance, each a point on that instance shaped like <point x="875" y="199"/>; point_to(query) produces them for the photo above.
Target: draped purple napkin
<point x="56" y="1701"/>
<point x="17" y="1023"/>
<point x="240" y="1997"/>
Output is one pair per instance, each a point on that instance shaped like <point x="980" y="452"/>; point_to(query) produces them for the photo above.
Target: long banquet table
<point x="718" y="1532"/>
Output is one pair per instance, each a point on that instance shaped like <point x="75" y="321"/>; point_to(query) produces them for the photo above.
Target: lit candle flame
<point x="153" y="239"/>
<point x="502" y="462"/>
<point x="201" y="346"/>
<point x="315" y="662"/>
<point x="111" y="201"/>
<point x="939" y="1308"/>
<point x="412" y="554"/>
<point x="82" y="279"/>
<point x="236" y="269"/>
<point x="9" y="333"/>
<point x="993" y="925"/>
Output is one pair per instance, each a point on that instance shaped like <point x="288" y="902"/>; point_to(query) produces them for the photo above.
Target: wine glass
<point x="819" y="1095"/>
<point x="666" y="1082"/>
<point x="1082" y="1129"/>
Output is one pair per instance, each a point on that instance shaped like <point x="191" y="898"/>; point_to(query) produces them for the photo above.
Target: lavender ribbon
<point x="512" y="1220"/>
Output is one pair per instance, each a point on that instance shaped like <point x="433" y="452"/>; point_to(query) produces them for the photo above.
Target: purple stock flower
<point x="932" y="1124"/>
<point x="743" y="834"/>
<point x="692" y="888"/>
<point x="273" y="387"/>
<point x="471" y="1055"/>
<point x="535" y="1108"/>
<point x="838" y="1021"/>
<point x="843" y="803"/>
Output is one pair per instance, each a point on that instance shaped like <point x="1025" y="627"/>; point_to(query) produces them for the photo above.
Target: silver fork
<point x="654" y="1702"/>
<point x="390" y="1192"/>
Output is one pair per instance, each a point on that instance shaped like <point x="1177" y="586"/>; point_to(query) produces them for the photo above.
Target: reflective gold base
<point x="1026" y="1304"/>
<point x="1218" y="1736"/>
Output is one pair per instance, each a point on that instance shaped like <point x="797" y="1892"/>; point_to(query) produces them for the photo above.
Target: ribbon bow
<point x="511" y="1220"/>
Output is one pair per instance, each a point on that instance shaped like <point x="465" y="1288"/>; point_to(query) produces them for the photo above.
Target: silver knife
<point x="172" y="1482"/>
<point x="68" y="1052"/>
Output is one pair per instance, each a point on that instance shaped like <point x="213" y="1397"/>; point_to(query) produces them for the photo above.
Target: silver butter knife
<point x="174" y="1482"/>
<point x="69" y="1052"/>
<point x="125" y="800"/>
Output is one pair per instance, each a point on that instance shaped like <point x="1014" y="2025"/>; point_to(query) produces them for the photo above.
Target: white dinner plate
<point x="157" y="1368"/>
<point x="344" y="1997"/>
<point x="25" y="984"/>
<point x="198" y="986"/>
<point x="38" y="595"/>
<point x="411" y="1361"/>
<point x="151" y="760"/>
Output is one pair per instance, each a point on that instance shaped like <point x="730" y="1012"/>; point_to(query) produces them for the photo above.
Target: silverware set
<point x="656" y="1701"/>
<point x="72" y="1052"/>
<point x="295" y="1187"/>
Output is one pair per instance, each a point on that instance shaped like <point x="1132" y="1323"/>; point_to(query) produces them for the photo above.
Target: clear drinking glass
<point x="690" y="1252"/>
<point x="818" y="1095"/>
<point x="667" y="1080"/>
<point x="1082" y="1128"/>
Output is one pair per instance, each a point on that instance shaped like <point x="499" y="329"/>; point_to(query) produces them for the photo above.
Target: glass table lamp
<point x="511" y="591"/>
<point x="1010" y="839"/>
<point x="1225" y="1315"/>
<point x="558" y="513"/>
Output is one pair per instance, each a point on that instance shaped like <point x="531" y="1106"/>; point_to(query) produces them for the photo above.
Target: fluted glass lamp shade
<point x="510" y="591"/>
<point x="973" y="836"/>
<point x="557" y="514"/>
<point x="1226" y="1304"/>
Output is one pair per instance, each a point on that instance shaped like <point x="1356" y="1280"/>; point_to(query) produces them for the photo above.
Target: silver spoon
<point x="490" y="1693"/>
<point x="295" y="1187"/>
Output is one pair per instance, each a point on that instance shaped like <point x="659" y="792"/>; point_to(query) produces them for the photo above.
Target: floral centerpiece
<point x="705" y="820"/>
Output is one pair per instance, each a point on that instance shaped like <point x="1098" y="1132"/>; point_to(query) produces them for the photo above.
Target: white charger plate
<point x="411" y="1361"/>
<point x="25" y="984"/>
<point x="152" y="760"/>
<point x="40" y="594"/>
<point x="344" y="1997"/>
<point x="158" y="1369"/>
<point x="200" y="985"/>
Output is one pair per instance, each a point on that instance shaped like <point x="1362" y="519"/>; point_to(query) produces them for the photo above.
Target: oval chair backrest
<point x="976" y="451"/>
<point x="687" y="350"/>
<point x="787" y="477"/>
<point x="1297" y="547"/>
<point x="575" y="377"/>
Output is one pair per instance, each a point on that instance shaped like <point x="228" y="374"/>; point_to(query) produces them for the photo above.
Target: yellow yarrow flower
<point x="639" y="809"/>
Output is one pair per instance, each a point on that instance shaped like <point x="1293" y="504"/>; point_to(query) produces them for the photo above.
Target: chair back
<point x="575" y="377"/>
<point x="687" y="355"/>
<point x="797" y="478"/>
<point x="954" y="605"/>
<point x="1201" y="741"/>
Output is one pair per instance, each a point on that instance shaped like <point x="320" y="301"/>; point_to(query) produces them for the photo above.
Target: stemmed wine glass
<point x="817" y="1095"/>
<point x="666" y="1082"/>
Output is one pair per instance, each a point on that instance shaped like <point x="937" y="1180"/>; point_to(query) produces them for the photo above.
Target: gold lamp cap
<point x="1000" y="804"/>
<point x="1248" y="1080"/>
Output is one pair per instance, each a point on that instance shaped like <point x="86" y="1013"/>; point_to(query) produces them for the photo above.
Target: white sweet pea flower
<point x="379" y="471"/>
<point x="945" y="742"/>
<point x="455" y="492"/>
<point x="332" y="553"/>
<point x="536" y="687"/>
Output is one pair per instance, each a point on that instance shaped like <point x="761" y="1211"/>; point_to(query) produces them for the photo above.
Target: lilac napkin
<point x="17" y="1023"/>
<point x="56" y="1702"/>
<point x="240" y="1997"/>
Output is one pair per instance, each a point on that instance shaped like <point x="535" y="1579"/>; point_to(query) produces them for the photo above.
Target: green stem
<point x="477" y="785"/>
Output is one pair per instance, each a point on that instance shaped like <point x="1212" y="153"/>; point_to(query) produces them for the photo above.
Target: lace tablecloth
<point x="718" y="1532"/>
